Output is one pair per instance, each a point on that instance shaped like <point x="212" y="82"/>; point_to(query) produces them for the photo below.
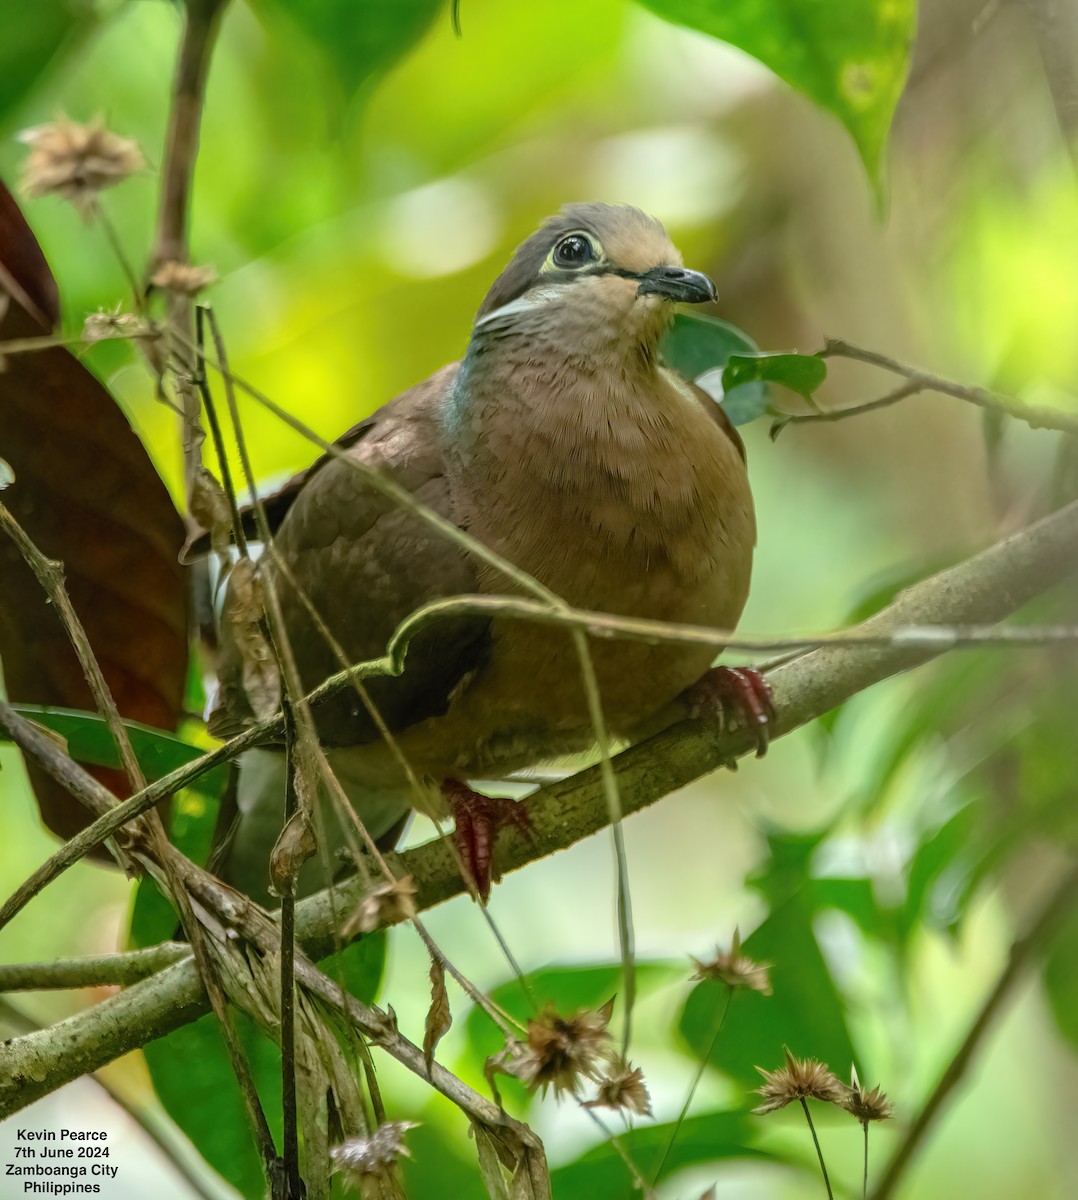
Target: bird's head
<point x="602" y="270"/>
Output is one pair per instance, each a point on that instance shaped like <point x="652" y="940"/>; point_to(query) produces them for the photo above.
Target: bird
<point x="561" y="442"/>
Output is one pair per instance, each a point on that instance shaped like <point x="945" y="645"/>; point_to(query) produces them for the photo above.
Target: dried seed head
<point x="562" y="1051"/>
<point x="383" y="904"/>
<point x="623" y="1088"/>
<point x="102" y="325"/>
<point x="800" y="1079"/>
<point x="360" y="1158"/>
<point x="76" y="161"/>
<point x="734" y="969"/>
<point x="183" y="278"/>
<point x="866" y="1105"/>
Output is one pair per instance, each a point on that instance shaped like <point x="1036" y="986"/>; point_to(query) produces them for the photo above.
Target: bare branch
<point x="1034" y="415"/>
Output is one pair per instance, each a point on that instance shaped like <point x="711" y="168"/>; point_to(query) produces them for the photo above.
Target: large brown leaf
<point x="88" y="495"/>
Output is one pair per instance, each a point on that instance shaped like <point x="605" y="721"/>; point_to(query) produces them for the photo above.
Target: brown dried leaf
<point x="296" y="845"/>
<point x="261" y="677"/>
<point x="24" y="273"/>
<point x="439" y="1018"/>
<point x="209" y="507"/>
<point x="86" y="492"/>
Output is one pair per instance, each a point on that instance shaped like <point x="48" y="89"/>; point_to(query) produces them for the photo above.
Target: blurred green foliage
<point x="359" y="185"/>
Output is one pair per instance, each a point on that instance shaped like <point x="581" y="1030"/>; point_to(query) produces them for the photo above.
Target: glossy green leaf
<point x="36" y="40"/>
<point x="801" y="373"/>
<point x="697" y="345"/>
<point x="360" y="38"/>
<point x="193" y="1078"/>
<point x="851" y="57"/>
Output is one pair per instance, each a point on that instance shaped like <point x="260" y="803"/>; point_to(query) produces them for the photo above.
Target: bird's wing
<point x="364" y="564"/>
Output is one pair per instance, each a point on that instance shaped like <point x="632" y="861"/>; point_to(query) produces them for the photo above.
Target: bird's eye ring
<point x="574" y="250"/>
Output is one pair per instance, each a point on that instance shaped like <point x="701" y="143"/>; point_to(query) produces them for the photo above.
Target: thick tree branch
<point x="983" y="589"/>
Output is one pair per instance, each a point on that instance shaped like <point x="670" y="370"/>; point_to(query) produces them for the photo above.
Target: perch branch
<point x="983" y="589"/>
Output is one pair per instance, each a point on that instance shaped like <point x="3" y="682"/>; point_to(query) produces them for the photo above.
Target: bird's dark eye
<point x="574" y="251"/>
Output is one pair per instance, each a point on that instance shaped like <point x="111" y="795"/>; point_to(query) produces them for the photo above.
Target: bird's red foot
<point x="477" y="819"/>
<point x="739" y="688"/>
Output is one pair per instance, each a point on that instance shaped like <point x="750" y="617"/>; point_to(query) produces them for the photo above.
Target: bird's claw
<point x="742" y="689"/>
<point x="477" y="819"/>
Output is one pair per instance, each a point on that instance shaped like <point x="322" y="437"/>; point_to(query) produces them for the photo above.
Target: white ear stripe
<point x="523" y="304"/>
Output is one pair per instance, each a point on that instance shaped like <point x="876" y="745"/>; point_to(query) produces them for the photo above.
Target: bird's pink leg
<point x="739" y="688"/>
<point x="477" y="819"/>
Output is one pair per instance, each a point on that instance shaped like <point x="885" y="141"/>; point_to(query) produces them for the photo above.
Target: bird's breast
<point x="634" y="505"/>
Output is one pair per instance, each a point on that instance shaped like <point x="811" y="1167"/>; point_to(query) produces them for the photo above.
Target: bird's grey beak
<point x="678" y="284"/>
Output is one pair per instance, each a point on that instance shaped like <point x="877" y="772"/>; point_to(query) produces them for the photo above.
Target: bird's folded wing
<point x="363" y="564"/>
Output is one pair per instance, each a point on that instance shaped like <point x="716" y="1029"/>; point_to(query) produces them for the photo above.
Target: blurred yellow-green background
<point x="355" y="233"/>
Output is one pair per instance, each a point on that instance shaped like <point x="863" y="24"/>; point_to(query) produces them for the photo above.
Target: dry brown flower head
<point x="735" y="969"/>
<point x="864" y="1104"/>
<point x="366" y="1156"/>
<point x="623" y="1088"/>
<point x="76" y="161"/>
<point x="562" y="1051"/>
<point x="102" y="325"/>
<point x="800" y="1079"/>
<point x="185" y="279"/>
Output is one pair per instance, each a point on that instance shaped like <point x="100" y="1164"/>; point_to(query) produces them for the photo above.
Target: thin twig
<point x="1036" y="416"/>
<point x="816" y="1143"/>
<point x="287" y="984"/>
<point x="695" y="1084"/>
<point x="854" y="410"/>
<point x="101" y="970"/>
<point x="50" y="575"/>
<point x="113" y="239"/>
<point x="1060" y="903"/>
<point x="201" y="23"/>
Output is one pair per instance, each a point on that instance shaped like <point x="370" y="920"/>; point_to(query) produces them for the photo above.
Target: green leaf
<point x="801" y="373"/>
<point x="696" y="345"/>
<point x="89" y="741"/>
<point x="193" y="1078"/>
<point x="851" y="57"/>
<point x="602" y="1172"/>
<point x="36" y="41"/>
<point x="360" y="38"/>
<point x="1061" y="979"/>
